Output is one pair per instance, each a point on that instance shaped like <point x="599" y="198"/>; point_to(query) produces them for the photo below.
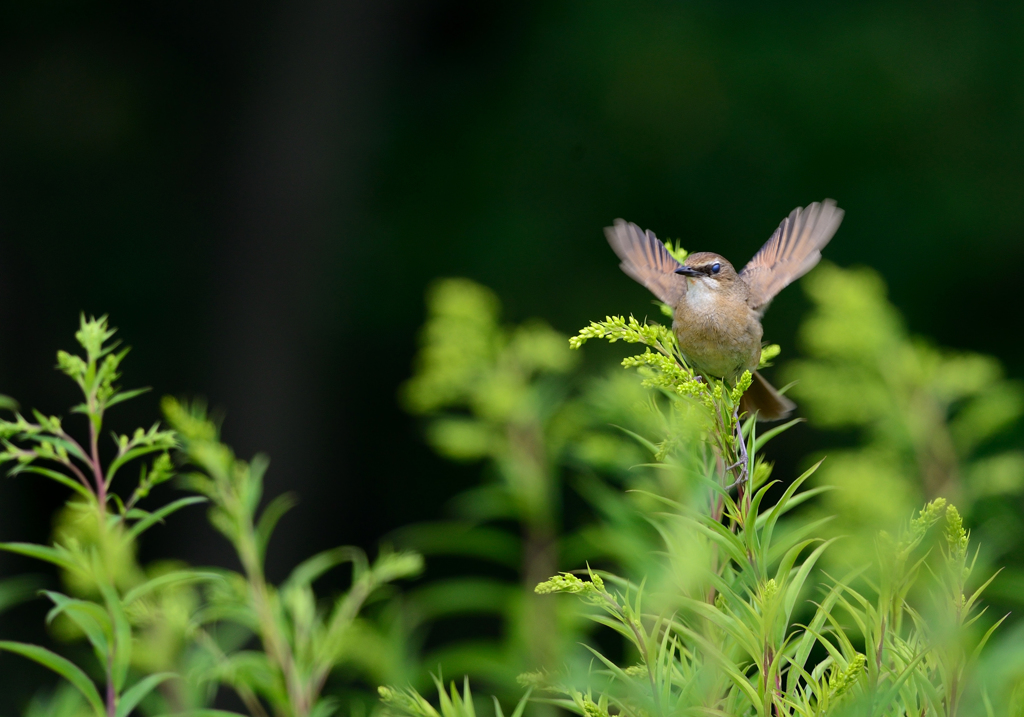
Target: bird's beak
<point x="687" y="271"/>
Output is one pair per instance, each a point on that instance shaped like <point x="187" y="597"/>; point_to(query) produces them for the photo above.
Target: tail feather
<point x="763" y="398"/>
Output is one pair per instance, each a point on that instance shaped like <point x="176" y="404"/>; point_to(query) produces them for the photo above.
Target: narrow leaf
<point x="126" y="395"/>
<point x="122" y="647"/>
<point x="269" y="517"/>
<point x="137" y="692"/>
<point x="58" y="556"/>
<point x="63" y="667"/>
<point x="60" y="478"/>
<point x="173" y="578"/>
<point x="158" y="515"/>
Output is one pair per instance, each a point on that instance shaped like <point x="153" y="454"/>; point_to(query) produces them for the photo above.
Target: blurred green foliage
<point x="725" y="578"/>
<point x="409" y="703"/>
<point x="530" y="126"/>
<point x="303" y="636"/>
<point x="924" y="422"/>
<point x="165" y="636"/>
<point x="498" y="394"/>
<point x="705" y="586"/>
<point x="113" y="604"/>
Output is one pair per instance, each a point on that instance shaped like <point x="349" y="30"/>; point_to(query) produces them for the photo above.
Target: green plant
<point x="712" y="603"/>
<point x="496" y="394"/>
<point x="96" y="540"/>
<point x="929" y="422"/>
<point x="303" y="639"/>
<point x="164" y="636"/>
<point x="409" y="703"/>
<point x="713" y="621"/>
<point x="707" y="572"/>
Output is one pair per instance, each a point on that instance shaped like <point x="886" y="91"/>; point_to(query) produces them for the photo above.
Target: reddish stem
<point x="101" y="484"/>
<point x="79" y="475"/>
<point x="111" y="693"/>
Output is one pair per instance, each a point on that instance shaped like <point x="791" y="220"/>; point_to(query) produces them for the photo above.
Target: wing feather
<point x="792" y="251"/>
<point x="646" y="260"/>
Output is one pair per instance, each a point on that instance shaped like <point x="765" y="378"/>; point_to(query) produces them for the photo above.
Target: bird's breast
<point x="718" y="333"/>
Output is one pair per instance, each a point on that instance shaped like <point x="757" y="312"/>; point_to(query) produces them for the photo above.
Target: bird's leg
<point x="743" y="474"/>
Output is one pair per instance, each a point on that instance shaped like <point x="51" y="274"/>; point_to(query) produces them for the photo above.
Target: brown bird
<point x="717" y="311"/>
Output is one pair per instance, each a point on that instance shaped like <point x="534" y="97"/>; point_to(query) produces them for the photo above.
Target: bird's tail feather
<point x="763" y="398"/>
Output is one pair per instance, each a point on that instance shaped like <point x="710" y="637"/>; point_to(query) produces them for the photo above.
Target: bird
<point x="716" y="310"/>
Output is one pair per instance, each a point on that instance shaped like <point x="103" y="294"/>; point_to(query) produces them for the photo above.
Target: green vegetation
<point x="165" y="636"/>
<point x="695" y="582"/>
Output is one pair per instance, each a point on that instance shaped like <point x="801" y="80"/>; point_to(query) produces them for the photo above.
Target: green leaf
<point x="204" y="712"/>
<point x="771" y="433"/>
<point x="649" y="445"/>
<point x="269" y="518"/>
<point x="90" y="618"/>
<point x="731" y="670"/>
<point x="521" y="707"/>
<point x="18" y="589"/>
<point x="796" y="534"/>
<point x="161" y="581"/>
<point x="988" y="634"/>
<point x="457" y="538"/>
<point x="789" y="559"/>
<point x="325" y="707"/>
<point x="63" y="667"/>
<point x="122" y="652"/>
<point x="977" y="593"/>
<point x="776" y="511"/>
<point x="793" y="591"/>
<point x="56" y="555"/>
<point x="137" y="692"/>
<point x="310" y="569"/>
<point x="58" y="443"/>
<point x="131" y="455"/>
<point x="882" y="702"/>
<point x="126" y="395"/>
<point x="616" y="625"/>
<point x="60" y="478"/>
<point x="158" y="515"/>
<point x="445" y="597"/>
<point x="796" y="500"/>
<point x="742" y="634"/>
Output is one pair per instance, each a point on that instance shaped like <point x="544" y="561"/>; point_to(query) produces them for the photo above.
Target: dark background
<point x="258" y="193"/>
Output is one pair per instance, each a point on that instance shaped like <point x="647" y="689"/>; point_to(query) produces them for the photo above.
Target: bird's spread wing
<point x="647" y="260"/>
<point x="792" y="251"/>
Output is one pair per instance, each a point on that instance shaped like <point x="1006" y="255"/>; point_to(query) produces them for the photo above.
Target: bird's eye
<point x="715" y="268"/>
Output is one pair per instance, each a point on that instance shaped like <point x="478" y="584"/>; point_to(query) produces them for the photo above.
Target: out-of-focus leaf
<point x="137" y="692"/>
<point x="90" y="618"/>
<point x="59" y="556"/>
<point x="460" y="539"/>
<point x="122" y="633"/>
<point x="311" y="568"/>
<point x="457" y="596"/>
<point x="274" y="511"/>
<point x="158" y="515"/>
<point x="63" y="667"/>
<point x="18" y="589"/>
<point x="177" y="577"/>
<point x="59" y="477"/>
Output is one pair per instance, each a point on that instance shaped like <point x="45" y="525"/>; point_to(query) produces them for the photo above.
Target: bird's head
<point x="709" y="270"/>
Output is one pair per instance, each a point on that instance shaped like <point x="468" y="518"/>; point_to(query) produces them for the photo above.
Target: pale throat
<point x="703" y="295"/>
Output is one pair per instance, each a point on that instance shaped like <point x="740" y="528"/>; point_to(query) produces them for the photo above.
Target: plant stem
<point x="244" y="692"/>
<point x="111" y="692"/>
<point x="274" y="641"/>
<point x="97" y="472"/>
